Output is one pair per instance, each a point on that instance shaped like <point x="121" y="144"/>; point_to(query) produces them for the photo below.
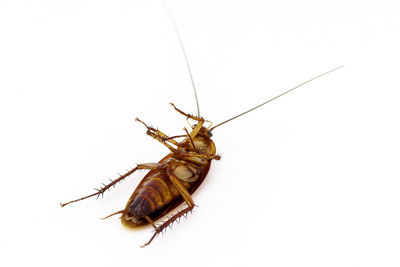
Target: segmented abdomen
<point x="156" y="192"/>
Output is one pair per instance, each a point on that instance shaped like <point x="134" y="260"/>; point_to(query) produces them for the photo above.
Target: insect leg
<point x="169" y="139"/>
<point x="191" y="140"/>
<point x="186" y="196"/>
<point x="149" y="166"/>
<point x="151" y="222"/>
<point x="188" y="116"/>
<point x="200" y="155"/>
<point x="181" y="188"/>
<point x="185" y="114"/>
<point x="159" y="229"/>
<point x="160" y="136"/>
<point x="104" y="188"/>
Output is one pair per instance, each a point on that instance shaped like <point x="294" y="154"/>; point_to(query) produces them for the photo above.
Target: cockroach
<point x="174" y="179"/>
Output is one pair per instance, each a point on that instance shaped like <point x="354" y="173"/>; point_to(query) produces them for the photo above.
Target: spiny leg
<point x="186" y="114"/>
<point x="103" y="189"/>
<point x="163" y="138"/>
<point x="189" y="116"/>
<point x="159" y="229"/>
<point x="160" y="136"/>
<point x="200" y="120"/>
<point x="151" y="166"/>
<point x="186" y="196"/>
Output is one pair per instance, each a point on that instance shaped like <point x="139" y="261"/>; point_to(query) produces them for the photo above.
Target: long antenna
<point x="284" y="93"/>
<point x="185" y="56"/>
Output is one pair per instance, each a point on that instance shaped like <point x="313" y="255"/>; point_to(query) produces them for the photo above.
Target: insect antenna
<point x="284" y="93"/>
<point x="184" y="55"/>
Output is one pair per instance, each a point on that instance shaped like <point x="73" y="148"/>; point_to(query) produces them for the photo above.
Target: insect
<point x="172" y="180"/>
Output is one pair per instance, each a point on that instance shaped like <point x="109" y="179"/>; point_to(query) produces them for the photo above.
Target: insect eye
<point x="210" y="133"/>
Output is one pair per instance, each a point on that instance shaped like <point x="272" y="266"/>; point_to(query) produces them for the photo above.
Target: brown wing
<point x="172" y="205"/>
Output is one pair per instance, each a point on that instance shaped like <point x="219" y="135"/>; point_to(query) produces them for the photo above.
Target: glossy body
<point x="156" y="195"/>
<point x="175" y="177"/>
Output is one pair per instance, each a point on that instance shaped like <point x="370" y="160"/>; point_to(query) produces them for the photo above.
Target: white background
<point x="311" y="179"/>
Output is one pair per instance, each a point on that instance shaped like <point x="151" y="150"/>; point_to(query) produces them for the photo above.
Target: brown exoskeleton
<point x="170" y="181"/>
<point x="175" y="177"/>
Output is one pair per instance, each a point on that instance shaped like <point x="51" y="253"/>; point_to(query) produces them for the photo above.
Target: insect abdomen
<point x="154" y="194"/>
